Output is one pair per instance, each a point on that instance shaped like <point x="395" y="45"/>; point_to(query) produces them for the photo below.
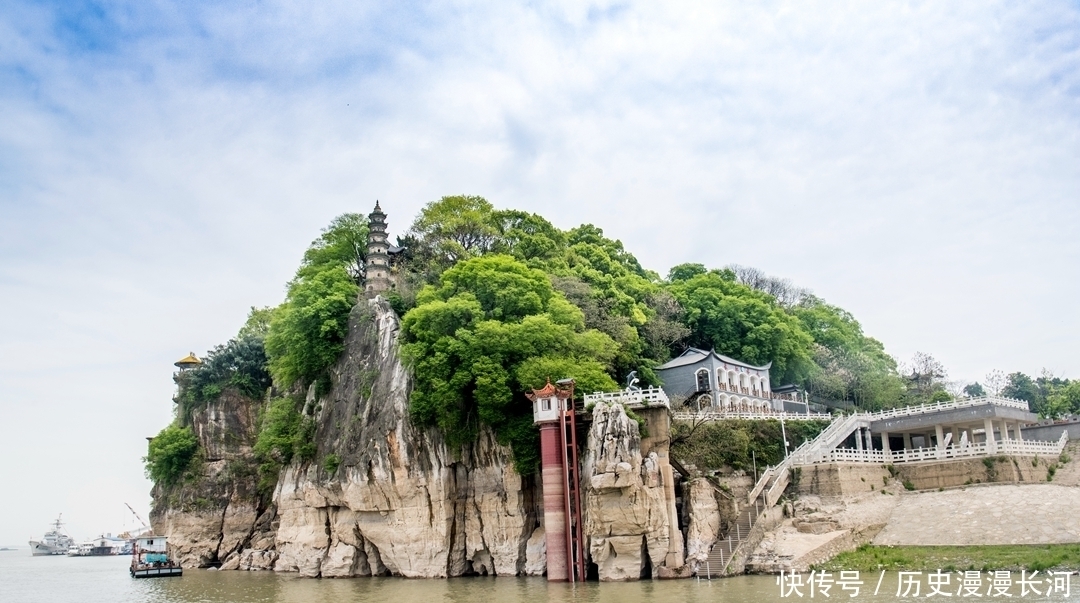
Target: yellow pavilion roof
<point x="188" y="361"/>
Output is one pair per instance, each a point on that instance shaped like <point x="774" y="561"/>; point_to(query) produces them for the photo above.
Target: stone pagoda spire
<point x="377" y="263"/>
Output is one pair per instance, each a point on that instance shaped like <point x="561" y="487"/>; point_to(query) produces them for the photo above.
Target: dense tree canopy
<point x="1047" y="395"/>
<point x="307" y="333"/>
<point x="343" y="243"/>
<point x="847" y="365"/>
<point x="491" y="330"/>
<point x="494" y="302"/>
<point x="740" y="322"/>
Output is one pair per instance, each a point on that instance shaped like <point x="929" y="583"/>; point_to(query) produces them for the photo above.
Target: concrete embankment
<point x="840" y="507"/>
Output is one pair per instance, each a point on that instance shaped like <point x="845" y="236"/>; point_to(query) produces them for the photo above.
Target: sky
<point x="163" y="166"/>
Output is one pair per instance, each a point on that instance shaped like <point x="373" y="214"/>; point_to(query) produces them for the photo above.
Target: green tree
<point x="492" y="329"/>
<point x="1062" y="399"/>
<point x="974" y="390"/>
<point x="849" y="366"/>
<point x="240" y="364"/>
<point x="453" y="229"/>
<point x="343" y="243"/>
<point x="1022" y="387"/>
<point x="745" y="324"/>
<point x="685" y="272"/>
<point x="169" y="454"/>
<point x="285" y="434"/>
<point x="257" y="323"/>
<point x="307" y="333"/>
<point x="529" y="238"/>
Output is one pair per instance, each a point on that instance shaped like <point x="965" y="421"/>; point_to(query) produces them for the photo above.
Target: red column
<point x="554" y="501"/>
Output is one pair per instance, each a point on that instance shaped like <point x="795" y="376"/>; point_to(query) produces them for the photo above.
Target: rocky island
<point x="379" y="421"/>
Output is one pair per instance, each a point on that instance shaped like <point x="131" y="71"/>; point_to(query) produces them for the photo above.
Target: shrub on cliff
<point x="738" y="443"/>
<point x="285" y="434"/>
<point x="169" y="454"/>
<point x="491" y="330"/>
<point x="307" y="332"/>
<point x="240" y="363"/>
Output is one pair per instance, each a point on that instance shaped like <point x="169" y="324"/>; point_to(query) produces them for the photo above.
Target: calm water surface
<point x="26" y="579"/>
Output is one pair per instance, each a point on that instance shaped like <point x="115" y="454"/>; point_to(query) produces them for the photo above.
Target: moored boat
<point x="150" y="559"/>
<point x="55" y="542"/>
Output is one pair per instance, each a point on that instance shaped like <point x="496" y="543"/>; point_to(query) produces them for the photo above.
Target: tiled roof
<point x="695" y="355"/>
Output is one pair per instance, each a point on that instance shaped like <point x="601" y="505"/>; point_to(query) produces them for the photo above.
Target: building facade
<point x="719" y="383"/>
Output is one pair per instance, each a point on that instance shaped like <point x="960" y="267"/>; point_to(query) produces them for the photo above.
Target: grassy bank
<point x="951" y="558"/>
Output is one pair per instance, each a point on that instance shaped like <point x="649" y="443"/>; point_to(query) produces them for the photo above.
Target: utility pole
<point x="783" y="434"/>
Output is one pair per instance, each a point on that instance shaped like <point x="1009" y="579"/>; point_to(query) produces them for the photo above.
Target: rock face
<point x="704" y="524"/>
<point x="394" y="499"/>
<point x="630" y="524"/>
<point x="399" y="502"/>
<point x="214" y="515"/>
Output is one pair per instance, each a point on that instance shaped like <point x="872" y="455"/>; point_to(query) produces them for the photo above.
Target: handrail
<point x="778" y="487"/>
<point x="1022" y="447"/>
<point x="742" y="415"/>
<point x="760" y="485"/>
<point x="906" y="411"/>
<point x="649" y="396"/>
<point x="891" y="413"/>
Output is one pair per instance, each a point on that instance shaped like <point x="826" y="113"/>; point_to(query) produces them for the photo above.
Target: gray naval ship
<point x="55" y="542"/>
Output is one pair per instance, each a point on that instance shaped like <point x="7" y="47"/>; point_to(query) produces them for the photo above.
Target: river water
<point x="26" y="579"/>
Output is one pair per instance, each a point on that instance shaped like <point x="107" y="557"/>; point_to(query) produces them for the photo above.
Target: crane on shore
<point x="145" y="527"/>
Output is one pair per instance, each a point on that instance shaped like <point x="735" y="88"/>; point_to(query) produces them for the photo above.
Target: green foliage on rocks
<point x="286" y="434"/>
<point x="240" y="363"/>
<point x="170" y="454"/>
<point x="307" y="332"/>
<point x="494" y="302"/>
<point x="737" y="443"/>
<point x="491" y="330"/>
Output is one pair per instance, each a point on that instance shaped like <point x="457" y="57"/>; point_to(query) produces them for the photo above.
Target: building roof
<point x="695" y="355"/>
<point x="188" y="361"/>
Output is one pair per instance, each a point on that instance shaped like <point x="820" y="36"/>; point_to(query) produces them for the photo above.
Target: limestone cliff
<point x="400" y="501"/>
<point x="629" y="509"/>
<point x="215" y="512"/>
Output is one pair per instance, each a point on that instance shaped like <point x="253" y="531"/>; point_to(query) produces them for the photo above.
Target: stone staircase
<point x="723" y="550"/>
<point x="767" y="491"/>
<point x="830" y="438"/>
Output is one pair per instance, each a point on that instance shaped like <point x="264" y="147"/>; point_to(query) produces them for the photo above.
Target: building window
<point x="703" y="380"/>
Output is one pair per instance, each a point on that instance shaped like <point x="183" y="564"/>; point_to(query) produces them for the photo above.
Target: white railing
<point x="907" y="411"/>
<point x="714" y="415"/>
<point x="914" y="455"/>
<point x="650" y="396"/>
<point x="760" y="485"/>
<point x="781" y="482"/>
<point x="828" y="439"/>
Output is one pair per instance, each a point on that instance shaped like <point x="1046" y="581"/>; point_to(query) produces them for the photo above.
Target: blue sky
<point x="163" y="165"/>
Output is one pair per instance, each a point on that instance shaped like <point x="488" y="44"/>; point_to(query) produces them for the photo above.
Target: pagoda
<point x="377" y="262"/>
